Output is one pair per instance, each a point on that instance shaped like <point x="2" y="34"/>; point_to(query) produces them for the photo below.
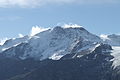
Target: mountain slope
<point x="61" y="53"/>
<point x="94" y="66"/>
<point x="113" y="39"/>
<point x="53" y="44"/>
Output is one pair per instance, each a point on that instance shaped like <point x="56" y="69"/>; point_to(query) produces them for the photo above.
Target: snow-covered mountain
<point x="113" y="39"/>
<point x="13" y="43"/>
<point x="84" y="53"/>
<point x="55" y="43"/>
<point x="52" y="43"/>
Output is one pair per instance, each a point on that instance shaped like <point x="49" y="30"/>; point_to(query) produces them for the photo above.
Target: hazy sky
<point x="97" y="16"/>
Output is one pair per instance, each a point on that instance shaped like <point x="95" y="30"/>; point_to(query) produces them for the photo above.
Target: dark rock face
<point x="74" y="69"/>
<point x="103" y="48"/>
<point x="11" y="67"/>
<point x="116" y="73"/>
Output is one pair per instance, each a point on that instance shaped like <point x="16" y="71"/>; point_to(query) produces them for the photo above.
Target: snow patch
<point x="93" y="49"/>
<point x="56" y="57"/>
<point x="116" y="54"/>
<point x="17" y="44"/>
<point x="104" y="37"/>
<point x="21" y="35"/>
<point x="2" y="41"/>
<point x="22" y="57"/>
<point x="5" y="49"/>
<point x="71" y="26"/>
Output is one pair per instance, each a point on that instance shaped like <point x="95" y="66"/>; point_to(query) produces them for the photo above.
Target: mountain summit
<point x="52" y="43"/>
<point x="86" y="54"/>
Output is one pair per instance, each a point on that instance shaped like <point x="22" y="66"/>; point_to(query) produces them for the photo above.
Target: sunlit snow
<point x="116" y="54"/>
<point x="2" y="41"/>
<point x="71" y="26"/>
<point x="104" y="37"/>
<point x="37" y="29"/>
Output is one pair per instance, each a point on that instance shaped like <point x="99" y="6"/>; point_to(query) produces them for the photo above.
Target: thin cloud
<point x="10" y="18"/>
<point x="36" y="29"/>
<point x="36" y="3"/>
<point x="21" y="35"/>
<point x="2" y="41"/>
<point x="104" y="36"/>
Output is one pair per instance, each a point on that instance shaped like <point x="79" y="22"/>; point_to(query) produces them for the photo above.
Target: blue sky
<point x="97" y="16"/>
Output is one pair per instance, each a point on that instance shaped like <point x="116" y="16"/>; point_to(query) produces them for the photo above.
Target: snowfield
<point x="116" y="54"/>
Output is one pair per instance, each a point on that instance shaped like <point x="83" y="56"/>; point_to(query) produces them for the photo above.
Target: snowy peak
<point x="70" y="32"/>
<point x="59" y="41"/>
<point x="58" y="29"/>
<point x="113" y="39"/>
<point x="13" y="42"/>
<point x="53" y="43"/>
